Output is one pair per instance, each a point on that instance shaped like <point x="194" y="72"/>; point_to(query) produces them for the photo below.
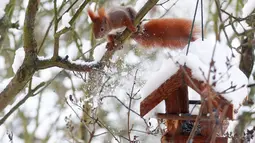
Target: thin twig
<point x="96" y="120"/>
<point x="129" y="106"/>
<point x="48" y="29"/>
<point x="202" y="20"/>
<point x="90" y="132"/>
<point x="22" y="101"/>
<point x="192" y="27"/>
<point x="193" y="131"/>
<point x="167" y="10"/>
<point x="57" y="34"/>
<point x="33" y="92"/>
<point x="111" y="96"/>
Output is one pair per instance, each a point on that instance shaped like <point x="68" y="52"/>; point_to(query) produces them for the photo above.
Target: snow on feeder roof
<point x="225" y="76"/>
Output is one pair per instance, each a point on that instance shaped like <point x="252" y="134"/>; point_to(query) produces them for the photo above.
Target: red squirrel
<point x="116" y="17"/>
<point x="163" y="32"/>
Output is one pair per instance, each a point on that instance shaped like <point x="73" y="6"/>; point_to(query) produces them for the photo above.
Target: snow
<point x="100" y="131"/>
<point x="153" y="124"/>
<point x="131" y="58"/>
<point x="112" y="117"/>
<point x="47" y="74"/>
<point x="242" y="27"/>
<point x="42" y="58"/>
<point x="11" y="41"/>
<point x="86" y="46"/>
<point x="168" y="68"/>
<point x="18" y="59"/>
<point x="72" y="51"/>
<point x="25" y="3"/>
<point x="99" y="52"/>
<point x="65" y="19"/>
<point x="48" y="101"/>
<point x="22" y="17"/>
<point x="226" y="74"/>
<point x="3" y="3"/>
<point x="82" y="62"/>
<point x="4" y="83"/>
<point x="77" y="82"/>
<point x="4" y="130"/>
<point x="248" y="8"/>
<point x="36" y="81"/>
<point x="65" y="22"/>
<point x="2" y="63"/>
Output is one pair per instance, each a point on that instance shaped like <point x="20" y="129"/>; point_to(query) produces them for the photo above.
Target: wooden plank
<point x="177" y="102"/>
<point x="182" y="117"/>
<point x="194" y="102"/>
<point x="167" y="89"/>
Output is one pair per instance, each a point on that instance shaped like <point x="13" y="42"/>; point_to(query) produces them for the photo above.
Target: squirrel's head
<point x="100" y="25"/>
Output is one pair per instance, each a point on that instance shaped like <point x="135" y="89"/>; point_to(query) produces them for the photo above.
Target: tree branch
<point x="29" y="26"/>
<point x="31" y="63"/>
<point x="5" y="21"/>
<point x="71" y="22"/>
<point x="57" y="34"/>
<point x="27" y="69"/>
<point x="65" y="64"/>
<point x="21" y="102"/>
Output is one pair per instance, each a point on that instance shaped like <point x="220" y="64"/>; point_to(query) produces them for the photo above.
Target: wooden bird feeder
<point x="214" y="114"/>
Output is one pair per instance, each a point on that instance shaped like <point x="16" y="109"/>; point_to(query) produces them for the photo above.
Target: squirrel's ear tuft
<point x="101" y="12"/>
<point x="92" y="15"/>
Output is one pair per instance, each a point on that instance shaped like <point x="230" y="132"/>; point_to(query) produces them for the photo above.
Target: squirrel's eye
<point x="101" y="29"/>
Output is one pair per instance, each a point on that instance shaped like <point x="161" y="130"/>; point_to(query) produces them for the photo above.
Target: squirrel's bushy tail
<point x="166" y="32"/>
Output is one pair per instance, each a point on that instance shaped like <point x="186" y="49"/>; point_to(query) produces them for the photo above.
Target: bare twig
<point x="193" y="131"/>
<point x="218" y="123"/>
<point x="31" y="93"/>
<point x="202" y="20"/>
<point x="167" y="10"/>
<point x="64" y="30"/>
<point x="96" y="120"/>
<point x="88" y="129"/>
<point x="14" y="108"/>
<point x="50" y="24"/>
<point x="192" y="27"/>
<point x="131" y="96"/>
<point x="111" y="96"/>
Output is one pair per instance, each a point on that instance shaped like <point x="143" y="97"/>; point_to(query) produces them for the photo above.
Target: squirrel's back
<point x="121" y="16"/>
<point x="166" y="32"/>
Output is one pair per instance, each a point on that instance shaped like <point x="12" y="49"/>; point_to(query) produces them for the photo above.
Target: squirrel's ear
<point x="101" y="12"/>
<point x="92" y="15"/>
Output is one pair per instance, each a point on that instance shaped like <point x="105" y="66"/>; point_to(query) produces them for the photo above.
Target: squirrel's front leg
<point x="111" y="43"/>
